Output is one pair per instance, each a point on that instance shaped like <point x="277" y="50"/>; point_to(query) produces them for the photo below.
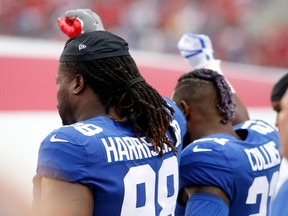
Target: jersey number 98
<point x="162" y="186"/>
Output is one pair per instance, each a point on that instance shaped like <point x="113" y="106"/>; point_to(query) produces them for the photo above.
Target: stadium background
<point x="254" y="53"/>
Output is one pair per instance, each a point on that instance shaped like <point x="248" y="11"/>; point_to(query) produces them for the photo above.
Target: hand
<point x="196" y="49"/>
<point x="80" y="21"/>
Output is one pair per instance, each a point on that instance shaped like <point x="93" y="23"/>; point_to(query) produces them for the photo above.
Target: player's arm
<point x="80" y="21"/>
<point x="241" y="113"/>
<point x="59" y="198"/>
<point x="204" y="201"/>
<point x="198" y="51"/>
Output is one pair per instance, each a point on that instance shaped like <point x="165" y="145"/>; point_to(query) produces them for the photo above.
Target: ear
<point x="185" y="108"/>
<point x="78" y="84"/>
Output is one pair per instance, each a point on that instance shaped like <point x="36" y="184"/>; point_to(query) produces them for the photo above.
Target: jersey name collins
<point x="263" y="157"/>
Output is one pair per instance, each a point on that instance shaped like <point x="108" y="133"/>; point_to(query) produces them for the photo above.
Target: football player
<point x="224" y="169"/>
<point x="119" y="148"/>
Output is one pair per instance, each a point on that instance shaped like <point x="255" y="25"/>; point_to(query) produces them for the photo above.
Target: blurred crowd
<point x="246" y="31"/>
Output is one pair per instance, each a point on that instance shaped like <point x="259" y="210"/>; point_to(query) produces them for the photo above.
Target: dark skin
<point x="203" y="119"/>
<point x="59" y="198"/>
<point x="82" y="102"/>
<point x="241" y="114"/>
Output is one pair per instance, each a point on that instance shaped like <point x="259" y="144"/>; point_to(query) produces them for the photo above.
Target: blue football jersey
<point x="247" y="171"/>
<point x="125" y="175"/>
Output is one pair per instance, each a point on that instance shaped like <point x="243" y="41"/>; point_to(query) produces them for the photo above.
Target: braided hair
<point x="225" y="103"/>
<point x="139" y="104"/>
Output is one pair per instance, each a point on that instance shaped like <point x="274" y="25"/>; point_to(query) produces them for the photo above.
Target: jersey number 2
<point x="261" y="186"/>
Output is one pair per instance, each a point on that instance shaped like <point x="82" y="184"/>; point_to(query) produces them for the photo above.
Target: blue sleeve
<point x="206" y="205"/>
<point x="63" y="160"/>
<point x="212" y="168"/>
<point x="279" y="204"/>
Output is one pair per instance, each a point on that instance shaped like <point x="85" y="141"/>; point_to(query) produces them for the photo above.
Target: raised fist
<point x="80" y="21"/>
<point x="198" y="51"/>
<point x="196" y="48"/>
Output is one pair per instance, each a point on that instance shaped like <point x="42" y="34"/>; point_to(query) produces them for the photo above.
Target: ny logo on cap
<point x="82" y="46"/>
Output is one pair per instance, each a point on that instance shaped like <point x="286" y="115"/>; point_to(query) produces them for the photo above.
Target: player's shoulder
<point x="79" y="132"/>
<point x="168" y="100"/>
<point x="212" y="155"/>
<point x="210" y="148"/>
<point x="256" y="125"/>
<point x="258" y="130"/>
<point x="172" y="104"/>
<point x="215" y="141"/>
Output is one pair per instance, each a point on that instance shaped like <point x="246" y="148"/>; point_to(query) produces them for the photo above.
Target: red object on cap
<point x="70" y="27"/>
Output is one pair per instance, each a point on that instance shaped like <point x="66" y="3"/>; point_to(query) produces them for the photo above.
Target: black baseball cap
<point x="94" y="45"/>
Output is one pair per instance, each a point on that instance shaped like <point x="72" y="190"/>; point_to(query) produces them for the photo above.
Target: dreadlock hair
<point x="225" y="103"/>
<point x="140" y="105"/>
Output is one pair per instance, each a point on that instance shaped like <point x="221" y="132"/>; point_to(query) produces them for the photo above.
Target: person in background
<point x="118" y="150"/>
<point x="224" y="169"/>
<point x="279" y="99"/>
<point x="277" y="93"/>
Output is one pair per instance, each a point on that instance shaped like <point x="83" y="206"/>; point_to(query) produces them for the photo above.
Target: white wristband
<point x="215" y="66"/>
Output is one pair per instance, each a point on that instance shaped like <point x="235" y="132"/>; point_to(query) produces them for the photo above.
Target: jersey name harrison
<point x="263" y="157"/>
<point x="131" y="148"/>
